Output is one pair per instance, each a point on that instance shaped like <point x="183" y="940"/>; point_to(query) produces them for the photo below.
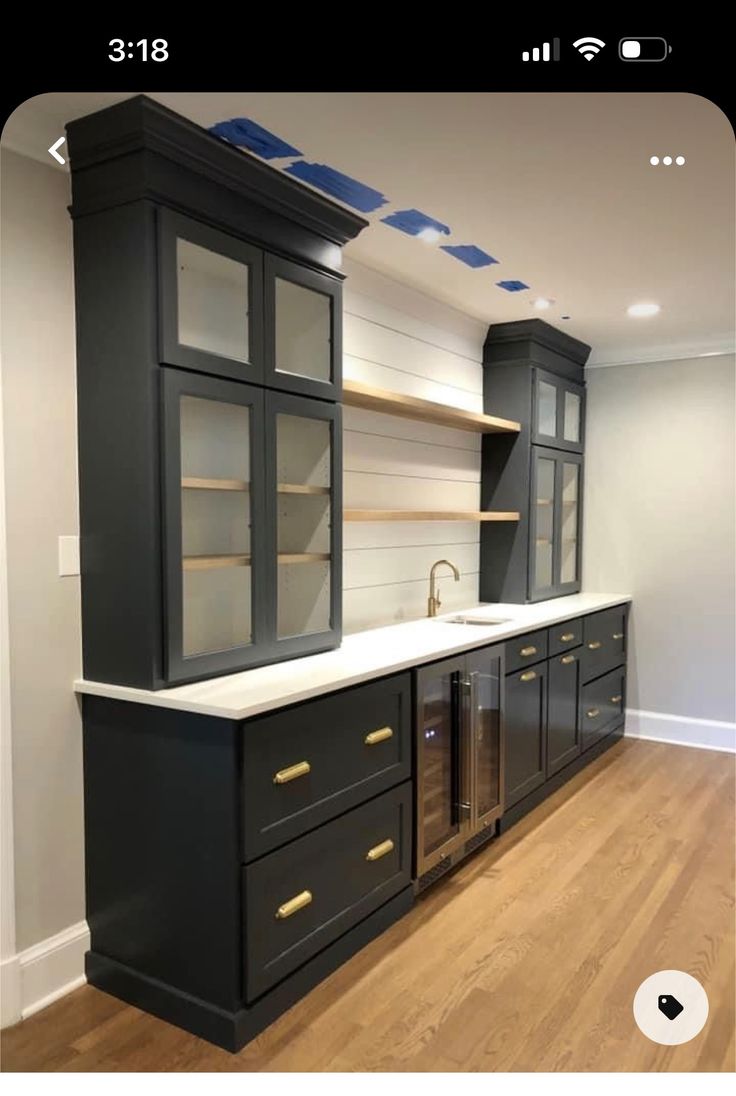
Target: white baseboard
<point x="704" y="734"/>
<point x="42" y="974"/>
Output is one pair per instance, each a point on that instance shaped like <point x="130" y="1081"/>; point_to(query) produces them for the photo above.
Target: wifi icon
<point x="588" y="47"/>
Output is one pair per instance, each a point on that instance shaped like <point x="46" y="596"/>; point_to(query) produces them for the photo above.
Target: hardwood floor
<point x="527" y="958"/>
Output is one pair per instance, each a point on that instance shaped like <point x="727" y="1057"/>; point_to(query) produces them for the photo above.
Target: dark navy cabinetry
<point x="533" y="373"/>
<point x="208" y="301"/>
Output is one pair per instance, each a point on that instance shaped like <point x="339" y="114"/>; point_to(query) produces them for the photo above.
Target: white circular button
<point x="654" y="160"/>
<point x="667" y="160"/>
<point x="670" y="1007"/>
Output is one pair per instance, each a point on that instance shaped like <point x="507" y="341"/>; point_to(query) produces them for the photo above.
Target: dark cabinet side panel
<point x="162" y="836"/>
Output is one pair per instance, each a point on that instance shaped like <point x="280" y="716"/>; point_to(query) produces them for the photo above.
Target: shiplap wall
<point x="402" y="340"/>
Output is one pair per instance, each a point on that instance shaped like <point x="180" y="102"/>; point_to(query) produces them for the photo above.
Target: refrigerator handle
<point x="467" y="729"/>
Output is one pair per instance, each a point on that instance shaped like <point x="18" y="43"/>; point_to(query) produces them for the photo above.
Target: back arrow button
<point x="54" y="147"/>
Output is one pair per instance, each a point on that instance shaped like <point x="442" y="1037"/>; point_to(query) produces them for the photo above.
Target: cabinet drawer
<point x="604" y="639"/>
<point x="302" y="897"/>
<point x="305" y="765"/>
<point x="525" y="650"/>
<point x="602" y="705"/>
<point x="564" y="637"/>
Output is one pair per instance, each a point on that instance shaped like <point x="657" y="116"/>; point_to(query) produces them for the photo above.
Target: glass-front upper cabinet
<point x="304" y="484"/>
<point x="555" y="525"/>
<point x="558" y="412"/>
<point x="214" y="525"/>
<point x="303" y="351"/>
<point x="211" y="300"/>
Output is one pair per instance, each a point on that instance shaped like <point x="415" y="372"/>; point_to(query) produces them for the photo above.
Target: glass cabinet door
<point x="484" y="675"/>
<point x="558" y="409"/>
<point x="211" y="300"/>
<point x="213" y="500"/>
<point x="442" y="820"/>
<point x="555" y="526"/>
<point x="303" y="325"/>
<point x="303" y="473"/>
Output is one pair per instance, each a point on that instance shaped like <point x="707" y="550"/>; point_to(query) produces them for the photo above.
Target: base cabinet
<point x="526" y="741"/>
<point x="563" y="712"/>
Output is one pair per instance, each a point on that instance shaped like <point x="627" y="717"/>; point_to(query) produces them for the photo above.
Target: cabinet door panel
<point x="563" y="712"/>
<point x="211" y="293"/>
<point x="556" y="523"/>
<point x="526" y="738"/>
<point x="303" y="485"/>
<point x="214" y="536"/>
<point x="303" y="329"/>
<point x="558" y="412"/>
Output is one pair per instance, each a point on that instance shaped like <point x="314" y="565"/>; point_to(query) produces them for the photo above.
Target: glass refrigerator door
<point x="484" y="676"/>
<point x="441" y="817"/>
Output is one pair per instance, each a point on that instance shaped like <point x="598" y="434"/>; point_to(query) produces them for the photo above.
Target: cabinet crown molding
<point x="536" y="342"/>
<point x="126" y="152"/>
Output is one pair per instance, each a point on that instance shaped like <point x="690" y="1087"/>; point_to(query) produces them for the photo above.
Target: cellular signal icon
<point x="542" y="53"/>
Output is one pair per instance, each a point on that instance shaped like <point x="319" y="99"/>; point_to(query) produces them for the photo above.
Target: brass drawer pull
<point x="378" y="851"/>
<point x="381" y="735"/>
<point x="567" y="660"/>
<point x="528" y="676"/>
<point x="593" y="713"/>
<point x="283" y="776"/>
<point x="526" y="651"/>
<point x="568" y="637"/>
<point x="298" y="902"/>
<point x="616" y="699"/>
<point x="595" y="645"/>
<point x="618" y="635"/>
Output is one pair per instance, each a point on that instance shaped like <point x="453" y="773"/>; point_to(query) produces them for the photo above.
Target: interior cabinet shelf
<point x="200" y="483"/>
<point x="431" y="515"/>
<point x="357" y="394"/>
<point x="210" y="563"/>
<point x="301" y="489"/>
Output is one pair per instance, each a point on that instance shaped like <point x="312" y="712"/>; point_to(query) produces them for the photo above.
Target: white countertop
<point x="362" y="656"/>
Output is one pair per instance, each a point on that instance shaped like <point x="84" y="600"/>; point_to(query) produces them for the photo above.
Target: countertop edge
<point x="343" y="680"/>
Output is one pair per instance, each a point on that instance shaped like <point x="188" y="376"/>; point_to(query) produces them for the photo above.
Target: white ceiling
<point x="557" y="187"/>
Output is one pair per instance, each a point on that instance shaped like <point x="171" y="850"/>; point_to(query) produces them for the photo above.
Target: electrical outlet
<point x="69" y="556"/>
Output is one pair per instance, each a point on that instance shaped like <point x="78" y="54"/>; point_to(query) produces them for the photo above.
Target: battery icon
<point x="643" y="49"/>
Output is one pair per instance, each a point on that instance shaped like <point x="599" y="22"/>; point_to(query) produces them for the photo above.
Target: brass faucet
<point x="434" y="602"/>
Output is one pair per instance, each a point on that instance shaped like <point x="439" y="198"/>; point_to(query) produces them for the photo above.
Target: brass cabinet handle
<point x="528" y="676"/>
<point x="381" y="735"/>
<point x="567" y="637"/>
<point x="567" y="660"/>
<point x="618" y="635"/>
<point x="298" y="902"/>
<point x="283" y="776"/>
<point x="595" y="645"/>
<point x="526" y="651"/>
<point x="616" y="699"/>
<point x="593" y="713"/>
<point x="378" y="851"/>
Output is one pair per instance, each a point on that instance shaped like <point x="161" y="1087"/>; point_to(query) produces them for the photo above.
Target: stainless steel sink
<point x="483" y="621"/>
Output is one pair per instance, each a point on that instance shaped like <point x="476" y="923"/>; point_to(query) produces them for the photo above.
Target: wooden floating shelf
<point x="210" y="563"/>
<point x="301" y="489"/>
<point x="357" y="394"/>
<point x="431" y="515"/>
<point x="201" y="484"/>
<point x="303" y="557"/>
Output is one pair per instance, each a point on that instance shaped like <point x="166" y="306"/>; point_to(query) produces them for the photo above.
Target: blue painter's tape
<point x="512" y="286"/>
<point x="469" y="254"/>
<point x="246" y="133"/>
<point x="413" y="222"/>
<point x="334" y="183"/>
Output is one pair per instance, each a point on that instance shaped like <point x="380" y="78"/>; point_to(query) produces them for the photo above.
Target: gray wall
<point x="39" y="409"/>
<point x="659" y="524"/>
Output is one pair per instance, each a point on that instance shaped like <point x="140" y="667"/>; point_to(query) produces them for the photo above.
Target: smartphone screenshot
<point x="368" y="555"/>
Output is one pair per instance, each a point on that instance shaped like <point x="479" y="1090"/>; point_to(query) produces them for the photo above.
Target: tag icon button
<point x="669" y="1005"/>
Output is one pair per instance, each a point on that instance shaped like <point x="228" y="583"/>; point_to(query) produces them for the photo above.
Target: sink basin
<point x="484" y="621"/>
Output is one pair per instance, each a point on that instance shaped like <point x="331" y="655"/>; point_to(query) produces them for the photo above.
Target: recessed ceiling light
<point x="429" y="235"/>
<point x="543" y="302"/>
<point x="643" y="309"/>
